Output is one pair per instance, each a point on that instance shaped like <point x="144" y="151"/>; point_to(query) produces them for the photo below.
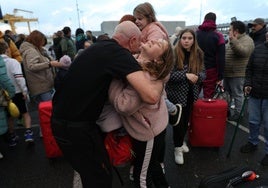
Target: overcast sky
<point x="53" y="15"/>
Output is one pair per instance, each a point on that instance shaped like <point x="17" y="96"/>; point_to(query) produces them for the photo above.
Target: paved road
<point x="28" y="167"/>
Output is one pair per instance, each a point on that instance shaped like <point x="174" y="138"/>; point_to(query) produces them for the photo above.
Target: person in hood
<point x="213" y="45"/>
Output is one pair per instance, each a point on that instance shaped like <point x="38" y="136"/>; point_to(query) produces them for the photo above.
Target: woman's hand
<point x="192" y="77"/>
<point x="55" y="64"/>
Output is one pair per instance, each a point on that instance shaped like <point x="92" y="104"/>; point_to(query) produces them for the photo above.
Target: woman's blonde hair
<point x="196" y="59"/>
<point x="161" y="69"/>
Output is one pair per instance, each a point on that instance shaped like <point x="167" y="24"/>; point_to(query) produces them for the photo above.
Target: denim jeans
<point x="234" y="86"/>
<point x="44" y="96"/>
<point x="170" y="106"/>
<point x="258" y="115"/>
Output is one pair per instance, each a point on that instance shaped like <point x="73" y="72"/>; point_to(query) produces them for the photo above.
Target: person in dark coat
<point x="258" y="30"/>
<point x="256" y="86"/>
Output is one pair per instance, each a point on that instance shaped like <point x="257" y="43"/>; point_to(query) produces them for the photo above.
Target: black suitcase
<point x="236" y="177"/>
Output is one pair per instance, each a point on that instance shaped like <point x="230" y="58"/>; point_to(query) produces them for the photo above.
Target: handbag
<point x="6" y="101"/>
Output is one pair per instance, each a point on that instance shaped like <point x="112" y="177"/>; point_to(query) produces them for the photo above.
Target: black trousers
<point x="82" y="146"/>
<point x="180" y="130"/>
<point x="147" y="169"/>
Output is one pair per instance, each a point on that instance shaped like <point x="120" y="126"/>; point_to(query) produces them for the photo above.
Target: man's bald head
<point x="127" y="34"/>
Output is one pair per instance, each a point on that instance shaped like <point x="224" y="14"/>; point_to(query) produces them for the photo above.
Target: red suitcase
<point x="208" y="123"/>
<point x="51" y="147"/>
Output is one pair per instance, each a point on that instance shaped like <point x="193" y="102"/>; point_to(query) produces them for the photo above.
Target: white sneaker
<point x="1" y="156"/>
<point x="131" y="177"/>
<point x="185" y="148"/>
<point x="178" y="152"/>
<point x="163" y="167"/>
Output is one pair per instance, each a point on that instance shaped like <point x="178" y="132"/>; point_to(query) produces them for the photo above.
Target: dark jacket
<point x="259" y="36"/>
<point x="79" y="41"/>
<point x="68" y="47"/>
<point x="178" y="87"/>
<point x="213" y="45"/>
<point x="57" y="47"/>
<point x="257" y="71"/>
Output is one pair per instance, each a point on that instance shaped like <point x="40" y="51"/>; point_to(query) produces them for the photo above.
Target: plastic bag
<point x="119" y="147"/>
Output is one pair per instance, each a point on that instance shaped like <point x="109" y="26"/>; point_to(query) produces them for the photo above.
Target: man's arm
<point x="150" y="91"/>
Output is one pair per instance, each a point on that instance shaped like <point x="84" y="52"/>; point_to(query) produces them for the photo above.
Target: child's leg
<point x="174" y="111"/>
<point x="170" y="106"/>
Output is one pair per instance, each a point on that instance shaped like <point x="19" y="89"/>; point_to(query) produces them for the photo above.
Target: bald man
<point x="79" y="102"/>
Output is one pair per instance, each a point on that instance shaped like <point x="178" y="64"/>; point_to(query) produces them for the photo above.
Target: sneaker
<point x="178" y="153"/>
<point x="174" y="118"/>
<point x="264" y="161"/>
<point x="28" y="136"/>
<point x="248" y="148"/>
<point x="13" y="140"/>
<point x="234" y="117"/>
<point x="1" y="156"/>
<point x="163" y="167"/>
<point x="131" y="178"/>
<point x="185" y="148"/>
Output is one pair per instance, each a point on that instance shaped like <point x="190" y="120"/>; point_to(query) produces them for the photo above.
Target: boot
<point x="178" y="152"/>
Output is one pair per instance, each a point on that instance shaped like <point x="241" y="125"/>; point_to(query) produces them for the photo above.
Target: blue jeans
<point x="170" y="106"/>
<point x="258" y="115"/>
<point x="44" y="96"/>
<point x="234" y="86"/>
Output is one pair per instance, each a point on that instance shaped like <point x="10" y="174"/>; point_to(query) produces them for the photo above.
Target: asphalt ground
<point x="25" y="166"/>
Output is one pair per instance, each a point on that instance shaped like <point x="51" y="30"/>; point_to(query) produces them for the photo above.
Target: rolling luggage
<point x="51" y="147"/>
<point x="208" y="123"/>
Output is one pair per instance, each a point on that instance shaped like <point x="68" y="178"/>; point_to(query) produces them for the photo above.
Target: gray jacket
<point x="237" y="55"/>
<point x="39" y="75"/>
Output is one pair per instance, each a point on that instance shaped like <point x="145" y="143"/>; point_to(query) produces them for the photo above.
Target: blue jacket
<point x="6" y="84"/>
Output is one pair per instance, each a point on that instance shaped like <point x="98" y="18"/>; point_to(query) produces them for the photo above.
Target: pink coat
<point x="154" y="31"/>
<point x="141" y="120"/>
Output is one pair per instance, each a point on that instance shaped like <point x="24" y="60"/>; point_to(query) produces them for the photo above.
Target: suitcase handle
<point x="209" y="100"/>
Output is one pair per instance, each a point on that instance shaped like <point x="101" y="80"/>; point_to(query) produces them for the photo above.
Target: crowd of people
<point x="140" y="79"/>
